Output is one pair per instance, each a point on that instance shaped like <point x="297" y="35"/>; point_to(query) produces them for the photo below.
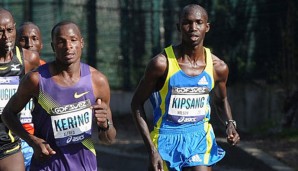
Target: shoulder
<point x="221" y="69"/>
<point x="158" y="64"/>
<point x="32" y="77"/>
<point x="100" y="84"/>
<point x="30" y="56"/>
<point x="30" y="82"/>
<point x="97" y="76"/>
<point x="31" y="59"/>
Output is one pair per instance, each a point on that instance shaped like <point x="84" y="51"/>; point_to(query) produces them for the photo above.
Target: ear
<point x="207" y="27"/>
<point x="82" y="43"/>
<point x="52" y="45"/>
<point x="178" y="27"/>
<point x="41" y="46"/>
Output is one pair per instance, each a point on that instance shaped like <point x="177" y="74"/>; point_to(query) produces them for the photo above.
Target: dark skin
<point x="7" y="42"/>
<point x="31" y="61"/>
<point x="190" y="55"/>
<point x="29" y="37"/>
<point x="67" y="43"/>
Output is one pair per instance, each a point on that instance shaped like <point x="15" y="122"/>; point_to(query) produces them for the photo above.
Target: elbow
<point x="135" y="106"/>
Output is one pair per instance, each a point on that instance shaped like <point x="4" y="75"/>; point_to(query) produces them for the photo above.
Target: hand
<point x="232" y="135"/>
<point x="156" y="163"/>
<point x="42" y="150"/>
<point x="100" y="113"/>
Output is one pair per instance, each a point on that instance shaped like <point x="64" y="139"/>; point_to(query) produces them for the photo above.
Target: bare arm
<point x="103" y="114"/>
<point x="148" y="84"/>
<point x="221" y="72"/>
<point x="27" y="89"/>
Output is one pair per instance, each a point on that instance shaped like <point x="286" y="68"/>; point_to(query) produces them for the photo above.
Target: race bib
<point x="8" y="87"/>
<point x="72" y="123"/>
<point x="25" y="114"/>
<point x="188" y="106"/>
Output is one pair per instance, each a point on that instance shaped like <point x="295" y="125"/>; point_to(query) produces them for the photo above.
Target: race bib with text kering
<point x="72" y="123"/>
<point x="188" y="104"/>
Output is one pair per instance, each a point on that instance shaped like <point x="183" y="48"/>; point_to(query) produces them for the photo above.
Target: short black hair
<point x="192" y="6"/>
<point x="64" y="23"/>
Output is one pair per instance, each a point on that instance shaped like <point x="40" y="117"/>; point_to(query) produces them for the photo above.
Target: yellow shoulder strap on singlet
<point x="19" y="55"/>
<point x="173" y="66"/>
<point x="209" y="64"/>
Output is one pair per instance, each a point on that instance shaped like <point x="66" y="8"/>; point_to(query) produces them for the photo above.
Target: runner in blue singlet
<point x="179" y="82"/>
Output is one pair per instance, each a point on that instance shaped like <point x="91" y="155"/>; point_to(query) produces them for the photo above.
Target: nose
<point x="28" y="43"/>
<point x="193" y="26"/>
<point x="68" y="44"/>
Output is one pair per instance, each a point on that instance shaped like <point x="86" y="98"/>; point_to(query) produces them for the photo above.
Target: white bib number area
<point x="188" y="108"/>
<point x="72" y="123"/>
<point x="25" y="114"/>
<point x="8" y="87"/>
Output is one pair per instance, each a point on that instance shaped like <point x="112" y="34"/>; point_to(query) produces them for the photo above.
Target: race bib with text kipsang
<point x="188" y="104"/>
<point x="72" y="123"/>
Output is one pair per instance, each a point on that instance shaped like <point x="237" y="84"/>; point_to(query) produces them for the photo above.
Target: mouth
<point x="194" y="37"/>
<point x="69" y="55"/>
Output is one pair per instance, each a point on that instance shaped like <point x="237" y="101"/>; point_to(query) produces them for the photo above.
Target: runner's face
<point x="67" y="43"/>
<point x="7" y="32"/>
<point x="29" y="38"/>
<point x="193" y="26"/>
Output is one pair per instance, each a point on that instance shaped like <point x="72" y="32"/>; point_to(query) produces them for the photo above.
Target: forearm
<point x="224" y="109"/>
<point x="139" y="117"/>
<point x="107" y="134"/>
<point x="13" y="123"/>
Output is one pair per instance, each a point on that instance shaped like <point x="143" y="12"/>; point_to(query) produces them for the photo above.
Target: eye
<point x="59" y="42"/>
<point x="74" y="39"/>
<point x="10" y="29"/>
<point x="35" y="38"/>
<point x="185" y="22"/>
<point x="200" y="21"/>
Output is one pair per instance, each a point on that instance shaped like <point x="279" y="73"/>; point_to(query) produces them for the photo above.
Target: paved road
<point x="129" y="154"/>
<point x="135" y="159"/>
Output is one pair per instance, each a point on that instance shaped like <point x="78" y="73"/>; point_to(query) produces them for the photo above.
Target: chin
<point x="193" y="44"/>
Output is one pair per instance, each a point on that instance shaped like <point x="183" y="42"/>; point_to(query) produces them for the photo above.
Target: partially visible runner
<point x="28" y="37"/>
<point x="179" y="82"/>
<point x="14" y="63"/>
<point x="70" y="94"/>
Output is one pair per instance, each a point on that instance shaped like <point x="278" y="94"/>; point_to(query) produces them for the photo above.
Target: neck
<point x="193" y="53"/>
<point x="65" y="74"/>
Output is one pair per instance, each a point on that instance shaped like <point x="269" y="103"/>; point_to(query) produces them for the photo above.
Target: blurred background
<point x="257" y="39"/>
